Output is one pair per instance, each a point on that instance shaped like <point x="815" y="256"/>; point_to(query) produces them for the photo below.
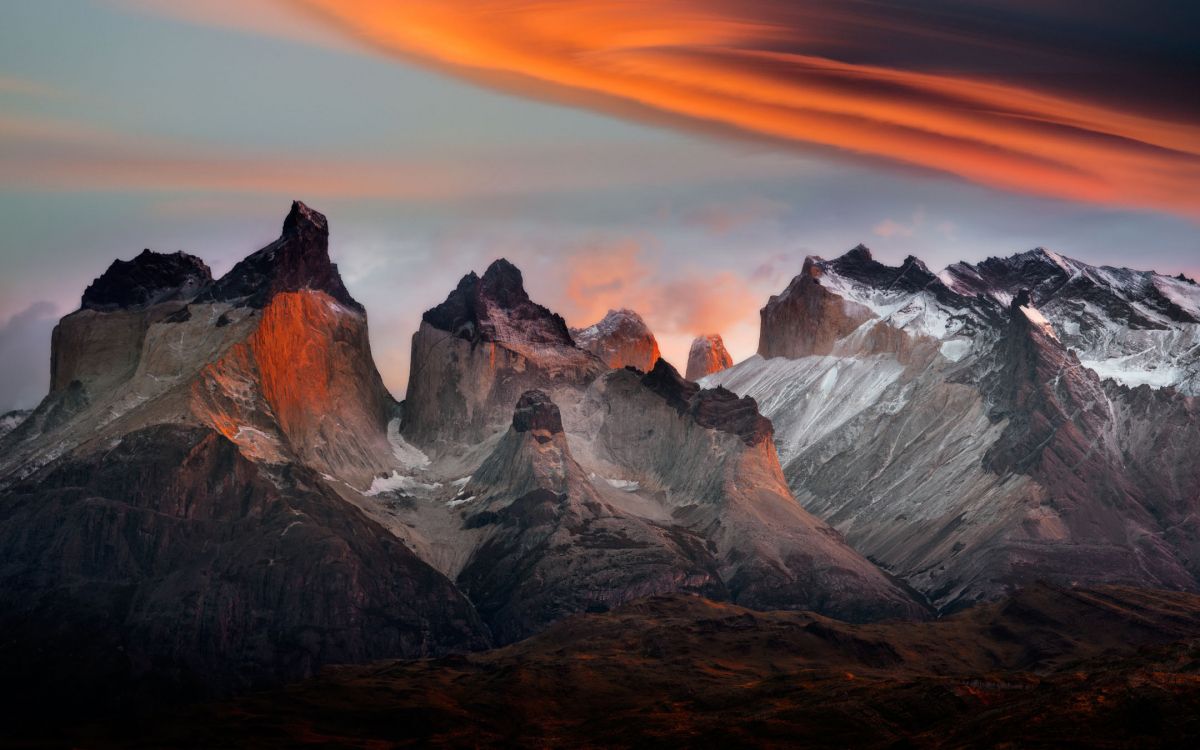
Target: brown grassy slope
<point x="1109" y="667"/>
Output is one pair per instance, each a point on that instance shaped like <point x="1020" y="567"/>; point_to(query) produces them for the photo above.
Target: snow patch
<point x="955" y="349"/>
<point x="790" y="393"/>
<point x="399" y="482"/>
<point x="1033" y="315"/>
<point x="409" y="456"/>
<point x="624" y="485"/>
<point x="1119" y="369"/>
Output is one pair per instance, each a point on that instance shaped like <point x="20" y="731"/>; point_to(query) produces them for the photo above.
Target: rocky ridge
<point x="998" y="455"/>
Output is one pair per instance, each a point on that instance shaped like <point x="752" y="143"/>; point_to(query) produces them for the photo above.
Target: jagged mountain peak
<point x="495" y="307"/>
<point x="503" y="282"/>
<point x="860" y="253"/>
<point x="147" y="279"/>
<point x="301" y="218"/>
<point x="299" y="259"/>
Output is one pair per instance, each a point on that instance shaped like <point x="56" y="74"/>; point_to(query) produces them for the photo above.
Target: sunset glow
<point x="743" y="66"/>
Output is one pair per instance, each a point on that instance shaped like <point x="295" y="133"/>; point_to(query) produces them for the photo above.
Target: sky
<point x="680" y="158"/>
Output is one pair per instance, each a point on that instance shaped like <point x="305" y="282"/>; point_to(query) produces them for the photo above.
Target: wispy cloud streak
<point x="1021" y="97"/>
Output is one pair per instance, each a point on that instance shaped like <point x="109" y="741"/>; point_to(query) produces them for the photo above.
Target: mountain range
<point x="219" y="494"/>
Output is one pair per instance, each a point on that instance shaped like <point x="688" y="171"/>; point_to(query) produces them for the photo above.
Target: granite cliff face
<point x="186" y="507"/>
<point x="477" y="352"/>
<point x="621" y="339"/>
<point x="958" y="429"/>
<point x="706" y="356"/>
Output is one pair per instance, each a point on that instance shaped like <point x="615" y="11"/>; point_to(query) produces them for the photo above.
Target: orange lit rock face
<point x="621" y="339"/>
<point x="707" y="355"/>
<point x="308" y="363"/>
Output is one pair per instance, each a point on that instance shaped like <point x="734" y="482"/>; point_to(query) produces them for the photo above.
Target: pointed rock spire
<point x="299" y="259"/>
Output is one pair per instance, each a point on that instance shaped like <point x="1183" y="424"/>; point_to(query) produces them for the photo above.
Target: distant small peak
<point x="706" y="356"/>
<point x="301" y="218"/>
<point x="859" y="252"/>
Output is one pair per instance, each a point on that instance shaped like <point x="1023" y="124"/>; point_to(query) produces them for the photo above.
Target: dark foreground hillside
<point x="1048" y="667"/>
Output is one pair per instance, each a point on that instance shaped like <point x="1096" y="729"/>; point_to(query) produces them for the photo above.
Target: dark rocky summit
<point x="148" y="279"/>
<point x="497" y="308"/>
<point x="299" y="259"/>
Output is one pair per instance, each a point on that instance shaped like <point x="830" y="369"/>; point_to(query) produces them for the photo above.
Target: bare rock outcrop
<point x="706" y="356"/>
<point x="622" y="339"/>
<point x="808" y="319"/>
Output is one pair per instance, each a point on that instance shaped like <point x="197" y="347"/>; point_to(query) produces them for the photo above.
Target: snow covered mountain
<point x="957" y="429"/>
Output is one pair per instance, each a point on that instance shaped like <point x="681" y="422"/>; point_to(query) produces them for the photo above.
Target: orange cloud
<point x="677" y="303"/>
<point x="772" y="70"/>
